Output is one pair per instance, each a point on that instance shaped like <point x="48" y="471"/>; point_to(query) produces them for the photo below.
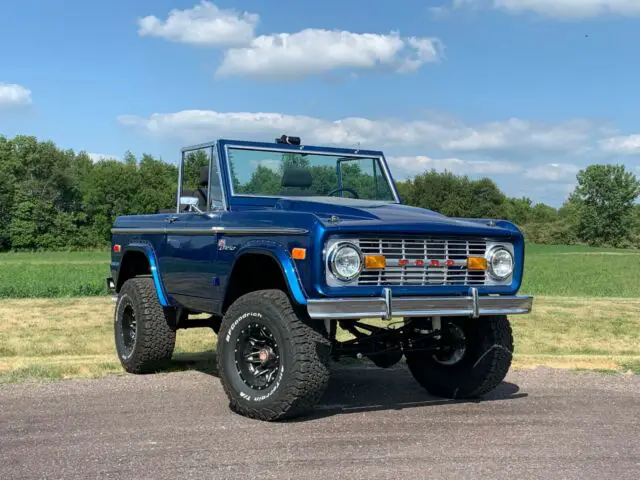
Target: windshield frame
<point x="284" y="148"/>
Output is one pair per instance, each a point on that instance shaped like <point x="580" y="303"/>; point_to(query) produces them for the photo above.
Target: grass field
<point x="586" y="315"/>
<point x="549" y="270"/>
<point x="53" y="274"/>
<point x="44" y="339"/>
<point x="581" y="271"/>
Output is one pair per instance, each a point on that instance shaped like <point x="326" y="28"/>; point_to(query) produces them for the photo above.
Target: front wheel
<point x="273" y="364"/>
<point x="476" y="361"/>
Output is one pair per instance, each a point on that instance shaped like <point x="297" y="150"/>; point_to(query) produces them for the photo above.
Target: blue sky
<point x="523" y="91"/>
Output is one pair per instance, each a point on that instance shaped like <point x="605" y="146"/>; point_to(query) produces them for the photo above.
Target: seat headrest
<point x="204" y="177"/>
<point x="297" y="177"/>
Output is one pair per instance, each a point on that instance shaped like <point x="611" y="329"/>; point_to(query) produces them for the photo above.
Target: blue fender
<point x="286" y="263"/>
<point x="148" y="251"/>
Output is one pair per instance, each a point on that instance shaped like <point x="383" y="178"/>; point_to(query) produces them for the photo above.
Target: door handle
<point x="172" y="218"/>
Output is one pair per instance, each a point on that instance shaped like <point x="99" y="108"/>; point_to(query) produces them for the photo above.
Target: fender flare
<point x="147" y="250"/>
<point x="285" y="262"/>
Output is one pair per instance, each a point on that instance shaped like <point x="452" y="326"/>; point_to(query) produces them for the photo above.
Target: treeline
<point x="601" y="211"/>
<point x="54" y="199"/>
<point x="57" y="199"/>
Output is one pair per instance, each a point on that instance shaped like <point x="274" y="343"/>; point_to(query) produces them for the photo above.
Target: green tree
<point x="6" y="202"/>
<point x="158" y="185"/>
<point x="264" y="181"/>
<point x="293" y="160"/>
<point x="604" y="198"/>
<point x="111" y="190"/>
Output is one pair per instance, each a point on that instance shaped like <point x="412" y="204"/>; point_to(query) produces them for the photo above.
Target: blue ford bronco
<point x="288" y="252"/>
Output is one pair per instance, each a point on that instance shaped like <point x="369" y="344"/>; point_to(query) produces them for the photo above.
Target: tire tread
<point x="488" y="371"/>
<point x="156" y="334"/>
<point x="309" y="373"/>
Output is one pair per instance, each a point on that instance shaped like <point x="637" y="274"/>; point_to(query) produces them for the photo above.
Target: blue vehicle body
<point x="192" y="255"/>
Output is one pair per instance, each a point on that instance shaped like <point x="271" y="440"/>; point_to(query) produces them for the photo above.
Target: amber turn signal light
<point x="476" y="263"/>
<point x="299" y="253"/>
<point x="375" y="262"/>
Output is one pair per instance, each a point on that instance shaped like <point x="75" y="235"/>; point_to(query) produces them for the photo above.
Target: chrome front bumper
<point x="386" y="307"/>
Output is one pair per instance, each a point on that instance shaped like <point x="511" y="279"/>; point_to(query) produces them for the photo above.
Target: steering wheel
<point x="344" y="189"/>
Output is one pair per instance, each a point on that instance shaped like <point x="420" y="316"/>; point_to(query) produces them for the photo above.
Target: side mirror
<point x="190" y="202"/>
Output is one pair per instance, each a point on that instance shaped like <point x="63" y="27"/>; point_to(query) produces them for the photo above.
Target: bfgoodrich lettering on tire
<point x="273" y="365"/>
<point x="478" y="363"/>
<point x="144" y="330"/>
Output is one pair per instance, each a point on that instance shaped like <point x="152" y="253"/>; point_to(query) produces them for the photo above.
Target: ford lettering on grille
<point x="428" y="261"/>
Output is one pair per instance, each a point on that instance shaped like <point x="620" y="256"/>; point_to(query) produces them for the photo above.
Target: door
<point x="187" y="261"/>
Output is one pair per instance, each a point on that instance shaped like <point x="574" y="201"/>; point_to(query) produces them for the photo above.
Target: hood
<point x="370" y="215"/>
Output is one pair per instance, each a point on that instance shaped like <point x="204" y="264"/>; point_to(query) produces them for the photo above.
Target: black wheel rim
<point x="128" y="330"/>
<point x="257" y="356"/>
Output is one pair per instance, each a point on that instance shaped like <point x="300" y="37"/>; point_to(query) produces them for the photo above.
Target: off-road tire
<point x="485" y="363"/>
<point x="155" y="332"/>
<point x="304" y="353"/>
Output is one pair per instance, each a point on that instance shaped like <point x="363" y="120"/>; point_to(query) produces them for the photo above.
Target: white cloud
<point x="314" y="51"/>
<point x="97" y="157"/>
<point x="622" y="145"/>
<point x="561" y="9"/>
<point x="516" y="134"/>
<point x="204" y="24"/>
<point x="12" y="94"/>
<point x="412" y="165"/>
<point x="553" y="172"/>
<point x="526" y="158"/>
<point x="287" y="55"/>
<point x="508" y="138"/>
<point x="427" y="50"/>
<point x="550" y="172"/>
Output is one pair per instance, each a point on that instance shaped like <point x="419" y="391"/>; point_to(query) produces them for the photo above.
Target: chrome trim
<point x="380" y="158"/>
<point x="419" y="252"/>
<point x="213" y="231"/>
<point x="260" y="230"/>
<point x="179" y="193"/>
<point x="476" y="303"/>
<point x="225" y="205"/>
<point x="473" y="306"/>
<point x="388" y="303"/>
<point x="199" y="146"/>
<point x="137" y="231"/>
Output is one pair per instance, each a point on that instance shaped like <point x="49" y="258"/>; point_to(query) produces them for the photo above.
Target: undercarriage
<point x="385" y="346"/>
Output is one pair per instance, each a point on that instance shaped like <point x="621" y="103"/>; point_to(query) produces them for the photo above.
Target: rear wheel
<point x="144" y="330"/>
<point x="273" y="364"/>
<point x="475" y="360"/>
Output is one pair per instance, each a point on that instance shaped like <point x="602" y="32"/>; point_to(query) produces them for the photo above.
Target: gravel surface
<point x="372" y="423"/>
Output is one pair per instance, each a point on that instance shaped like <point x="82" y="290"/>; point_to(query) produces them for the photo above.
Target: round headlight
<point x="345" y="261"/>
<point x="500" y="263"/>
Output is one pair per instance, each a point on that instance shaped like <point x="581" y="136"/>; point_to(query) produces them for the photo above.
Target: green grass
<point x="577" y="271"/>
<point x="52" y="339"/>
<point x="557" y="270"/>
<point x="53" y="274"/>
<point x="536" y="249"/>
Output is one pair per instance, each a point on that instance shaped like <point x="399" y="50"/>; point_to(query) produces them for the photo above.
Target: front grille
<point x="423" y="261"/>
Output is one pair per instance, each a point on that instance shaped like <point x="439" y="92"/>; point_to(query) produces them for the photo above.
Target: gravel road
<point x="371" y="424"/>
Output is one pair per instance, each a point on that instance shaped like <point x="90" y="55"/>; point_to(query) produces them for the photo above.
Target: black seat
<point x="298" y="179"/>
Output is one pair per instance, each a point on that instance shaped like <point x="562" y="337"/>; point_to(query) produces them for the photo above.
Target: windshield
<point x="277" y="173"/>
